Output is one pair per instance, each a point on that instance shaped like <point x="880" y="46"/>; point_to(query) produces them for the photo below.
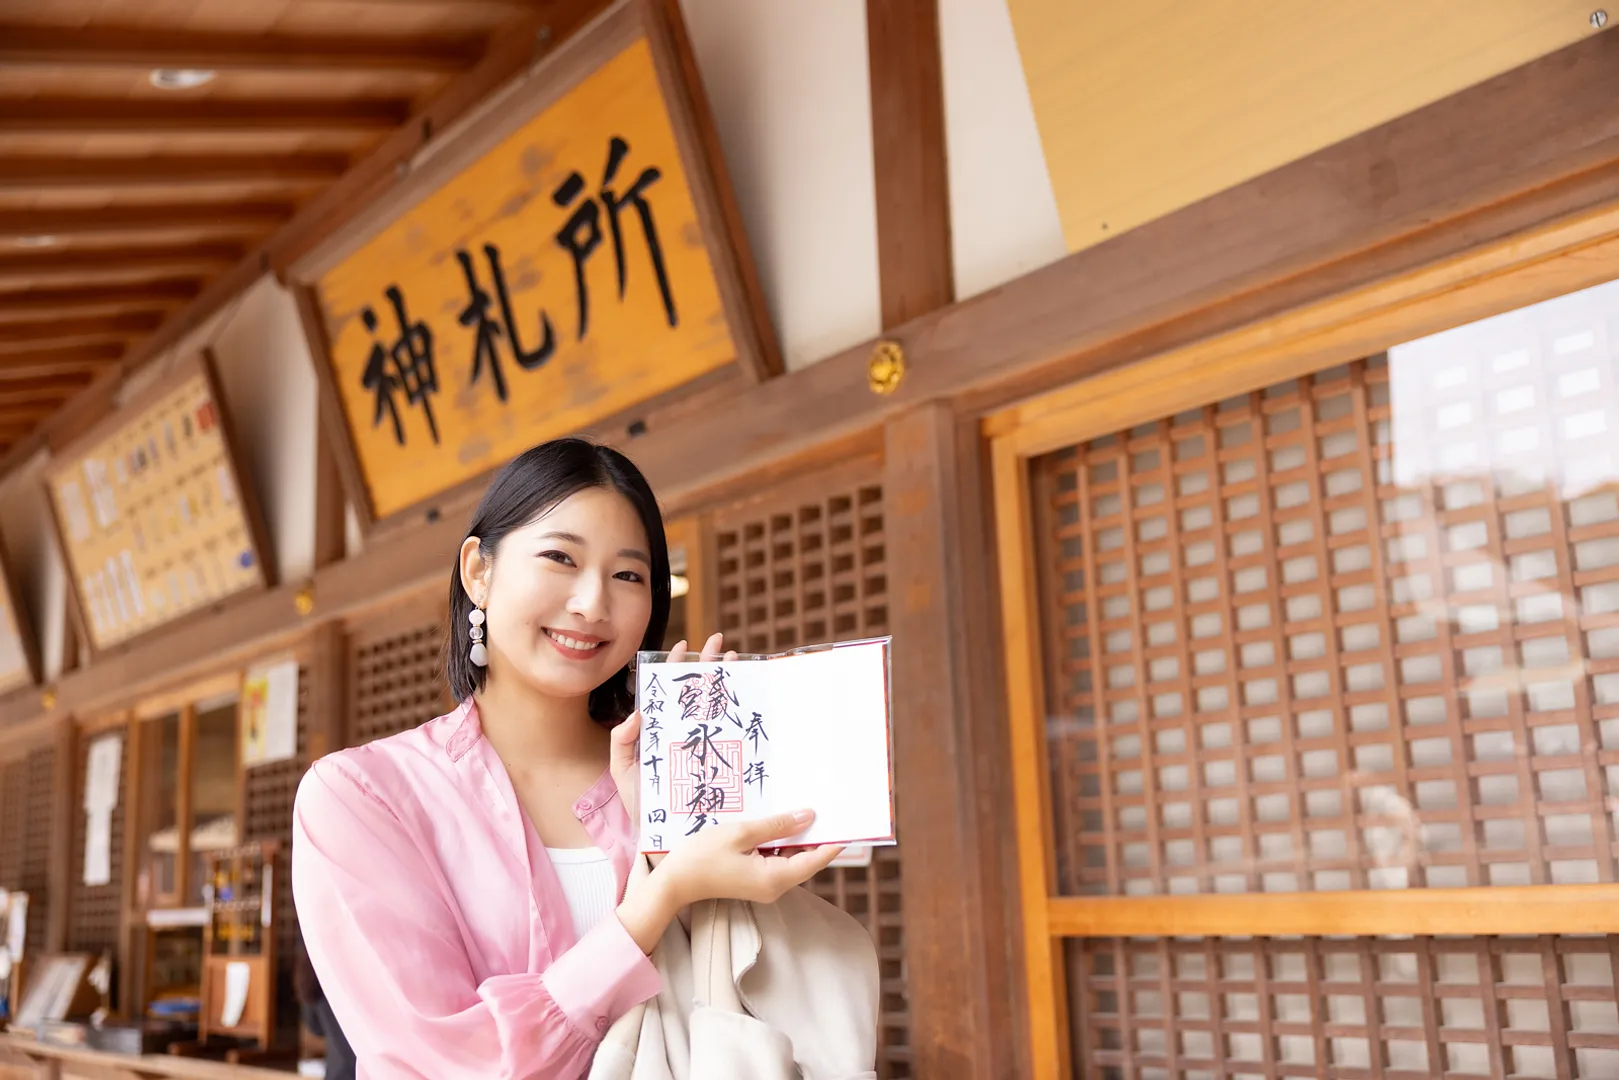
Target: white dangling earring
<point x="479" y="654"/>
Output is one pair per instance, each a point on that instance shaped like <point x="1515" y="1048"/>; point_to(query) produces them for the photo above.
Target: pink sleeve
<point x="388" y="950"/>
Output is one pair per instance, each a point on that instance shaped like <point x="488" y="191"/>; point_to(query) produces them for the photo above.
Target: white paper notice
<point x="17" y="925"/>
<point x="734" y="741"/>
<point x="238" y="976"/>
<point x="98" y="848"/>
<point x="269" y="713"/>
<point x="101" y="774"/>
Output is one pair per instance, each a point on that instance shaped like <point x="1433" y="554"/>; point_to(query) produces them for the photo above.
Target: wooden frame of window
<point x="1560" y="257"/>
<point x="138" y="931"/>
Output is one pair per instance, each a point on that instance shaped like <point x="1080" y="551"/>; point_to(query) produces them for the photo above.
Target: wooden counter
<point x="22" y="1058"/>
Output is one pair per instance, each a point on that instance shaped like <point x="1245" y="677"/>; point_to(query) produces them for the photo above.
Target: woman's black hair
<point x="529" y="486"/>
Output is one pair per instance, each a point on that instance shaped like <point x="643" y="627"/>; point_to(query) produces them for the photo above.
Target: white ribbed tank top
<point x="588" y="883"/>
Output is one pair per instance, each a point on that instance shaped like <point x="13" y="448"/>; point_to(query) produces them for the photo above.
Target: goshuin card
<point x="759" y="735"/>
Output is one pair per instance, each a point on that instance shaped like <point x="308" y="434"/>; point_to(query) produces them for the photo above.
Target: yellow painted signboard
<point x="558" y="279"/>
<point x="152" y="517"/>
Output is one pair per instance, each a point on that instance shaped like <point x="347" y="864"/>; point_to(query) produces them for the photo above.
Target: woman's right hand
<point x="723" y="862"/>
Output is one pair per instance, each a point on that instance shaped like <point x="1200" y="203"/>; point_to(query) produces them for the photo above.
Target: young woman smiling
<point x="461" y="886"/>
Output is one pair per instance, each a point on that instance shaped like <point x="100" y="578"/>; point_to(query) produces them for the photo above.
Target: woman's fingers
<point x="711" y="649"/>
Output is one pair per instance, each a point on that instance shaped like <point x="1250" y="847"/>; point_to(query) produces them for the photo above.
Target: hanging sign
<point x="153" y="518"/>
<point x="582" y="264"/>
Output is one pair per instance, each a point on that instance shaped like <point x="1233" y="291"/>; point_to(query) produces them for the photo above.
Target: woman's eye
<point x="557" y="556"/>
<point x="628" y="575"/>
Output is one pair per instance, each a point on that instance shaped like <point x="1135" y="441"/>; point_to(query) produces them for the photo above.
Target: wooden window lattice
<point x="93" y="913"/>
<point x="1355" y="1009"/>
<point x="395" y="677"/>
<point x="25" y="818"/>
<point x="1275" y="668"/>
<point x="800" y="572"/>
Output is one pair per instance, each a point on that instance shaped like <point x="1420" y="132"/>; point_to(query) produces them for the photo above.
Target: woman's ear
<point x="475" y="571"/>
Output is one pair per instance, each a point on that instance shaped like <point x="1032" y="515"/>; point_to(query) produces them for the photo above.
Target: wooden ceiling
<point x="120" y="201"/>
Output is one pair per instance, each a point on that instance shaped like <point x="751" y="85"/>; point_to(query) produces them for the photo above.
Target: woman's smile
<point x="575" y="646"/>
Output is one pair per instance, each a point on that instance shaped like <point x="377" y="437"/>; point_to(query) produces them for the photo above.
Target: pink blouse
<point x="436" y="922"/>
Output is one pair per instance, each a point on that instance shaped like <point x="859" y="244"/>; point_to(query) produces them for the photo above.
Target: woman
<point x="317" y="1016"/>
<point x="461" y="886"/>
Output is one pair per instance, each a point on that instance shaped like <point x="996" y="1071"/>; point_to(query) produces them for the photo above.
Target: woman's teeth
<point x="574" y="643"/>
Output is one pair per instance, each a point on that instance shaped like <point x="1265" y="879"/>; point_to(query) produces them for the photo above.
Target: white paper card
<point x="101" y="773"/>
<point x="17" y="925"/>
<point x="745" y="739"/>
<point x="238" y="976"/>
<point x="269" y="713"/>
<point x="98" y="848"/>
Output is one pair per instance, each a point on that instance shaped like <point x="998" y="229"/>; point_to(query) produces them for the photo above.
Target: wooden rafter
<point x="231" y="219"/>
<point x="50" y="360"/>
<point x="32" y="303"/>
<point x="27" y="335"/>
<point x="126" y="47"/>
<point x="201" y="116"/>
<point x="166" y="170"/>
<point x="96" y="264"/>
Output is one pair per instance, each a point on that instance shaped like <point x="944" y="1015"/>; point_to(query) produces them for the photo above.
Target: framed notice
<point x="153" y="518"/>
<point x="568" y="259"/>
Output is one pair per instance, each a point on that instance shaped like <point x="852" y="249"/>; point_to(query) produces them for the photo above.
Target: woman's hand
<point x="625" y="759"/>
<point x="723" y="862"/>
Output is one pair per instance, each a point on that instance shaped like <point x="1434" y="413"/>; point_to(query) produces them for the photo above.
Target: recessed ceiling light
<point x="180" y="78"/>
<point x="35" y="241"/>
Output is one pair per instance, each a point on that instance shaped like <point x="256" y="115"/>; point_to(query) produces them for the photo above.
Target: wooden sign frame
<point x="24" y="626"/>
<point x="741" y="298"/>
<point x="201" y="362"/>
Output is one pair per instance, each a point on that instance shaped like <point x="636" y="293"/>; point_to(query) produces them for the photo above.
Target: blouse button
<point x="582" y="806"/>
<point x="601" y="1023"/>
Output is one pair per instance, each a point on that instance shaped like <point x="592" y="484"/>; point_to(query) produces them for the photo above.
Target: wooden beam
<point x="52" y="390"/>
<point x="54" y="361"/>
<point x="1485" y="910"/>
<point x="228" y="219"/>
<point x="95" y="264"/>
<point x="914" y="264"/>
<point x="1279" y="242"/>
<point x="202" y="116"/>
<point x="130" y="47"/>
<point x="20" y="336"/>
<point x="949" y="824"/>
<point x="34" y="302"/>
<point x="167" y="170"/>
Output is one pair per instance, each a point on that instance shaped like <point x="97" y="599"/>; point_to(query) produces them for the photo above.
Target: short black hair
<point x="529" y="486"/>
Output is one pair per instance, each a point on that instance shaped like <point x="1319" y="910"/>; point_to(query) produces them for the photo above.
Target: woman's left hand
<point x="625" y="764"/>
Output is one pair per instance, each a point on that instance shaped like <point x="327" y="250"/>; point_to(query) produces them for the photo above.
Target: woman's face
<point x="568" y="597"/>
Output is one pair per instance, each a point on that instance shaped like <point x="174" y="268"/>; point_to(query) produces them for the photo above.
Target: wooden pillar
<point x="331" y="508"/>
<point x="908" y="157"/>
<point x="328" y="693"/>
<point x="53" y="906"/>
<point x="949" y="757"/>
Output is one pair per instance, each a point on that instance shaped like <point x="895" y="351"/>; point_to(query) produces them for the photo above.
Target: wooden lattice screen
<point x="797" y="569"/>
<point x="25" y="834"/>
<point x="396" y="671"/>
<point x="93" y="922"/>
<point x="1400" y="1009"/>
<point x="1333" y="635"/>
<point x="268" y="798"/>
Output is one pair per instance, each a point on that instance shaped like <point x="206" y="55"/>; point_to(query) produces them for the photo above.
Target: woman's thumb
<point x="624" y="736"/>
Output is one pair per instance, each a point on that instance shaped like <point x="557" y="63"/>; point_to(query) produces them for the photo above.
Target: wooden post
<point x="948" y="752"/>
<point x="908" y="156"/>
<point x="64" y="804"/>
<point x="330" y="504"/>
<point x="328" y="697"/>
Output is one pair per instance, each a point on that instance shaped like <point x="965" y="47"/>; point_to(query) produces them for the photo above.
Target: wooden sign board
<point x="152" y="515"/>
<point x="580" y="262"/>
